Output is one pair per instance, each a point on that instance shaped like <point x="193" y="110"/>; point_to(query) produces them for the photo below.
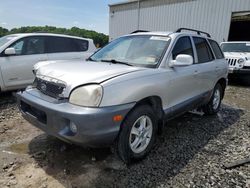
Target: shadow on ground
<point x="239" y="80"/>
<point x="6" y="98"/>
<point x="181" y="140"/>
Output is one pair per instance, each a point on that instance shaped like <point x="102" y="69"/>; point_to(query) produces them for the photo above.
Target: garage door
<point x="240" y="27"/>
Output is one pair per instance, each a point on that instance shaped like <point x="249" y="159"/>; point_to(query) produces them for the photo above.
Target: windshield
<point x="4" y="40"/>
<point x="235" y="47"/>
<point x="137" y="50"/>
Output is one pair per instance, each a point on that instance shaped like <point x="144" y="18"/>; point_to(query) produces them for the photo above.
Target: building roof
<point x="125" y="2"/>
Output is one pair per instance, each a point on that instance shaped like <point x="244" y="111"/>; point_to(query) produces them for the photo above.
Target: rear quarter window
<point x="80" y="45"/>
<point x="217" y="51"/>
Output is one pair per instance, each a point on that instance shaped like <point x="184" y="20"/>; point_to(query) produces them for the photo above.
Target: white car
<point x="20" y="52"/>
<point x="237" y="55"/>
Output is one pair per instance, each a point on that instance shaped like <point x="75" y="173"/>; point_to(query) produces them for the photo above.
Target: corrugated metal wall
<point x="213" y="16"/>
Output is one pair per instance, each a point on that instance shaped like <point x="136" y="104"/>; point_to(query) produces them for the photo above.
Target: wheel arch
<point x="155" y="102"/>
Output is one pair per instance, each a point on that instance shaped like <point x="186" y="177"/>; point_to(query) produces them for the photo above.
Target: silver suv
<point x="125" y="92"/>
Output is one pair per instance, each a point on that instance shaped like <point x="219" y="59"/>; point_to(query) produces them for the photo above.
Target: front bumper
<point x="239" y="71"/>
<point x="95" y="126"/>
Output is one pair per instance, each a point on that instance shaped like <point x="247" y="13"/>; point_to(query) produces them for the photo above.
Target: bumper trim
<point x="95" y="126"/>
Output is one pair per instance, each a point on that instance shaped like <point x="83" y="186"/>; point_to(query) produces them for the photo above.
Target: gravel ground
<point x="193" y="151"/>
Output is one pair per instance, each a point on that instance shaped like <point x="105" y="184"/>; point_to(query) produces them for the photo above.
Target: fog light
<point x="73" y="127"/>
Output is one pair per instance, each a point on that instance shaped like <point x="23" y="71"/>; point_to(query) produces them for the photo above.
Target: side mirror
<point x="10" y="51"/>
<point x="182" y="60"/>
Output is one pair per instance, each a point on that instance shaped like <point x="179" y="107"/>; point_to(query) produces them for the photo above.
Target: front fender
<point x="133" y="89"/>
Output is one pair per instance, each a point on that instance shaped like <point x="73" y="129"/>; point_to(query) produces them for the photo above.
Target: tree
<point x="3" y="31"/>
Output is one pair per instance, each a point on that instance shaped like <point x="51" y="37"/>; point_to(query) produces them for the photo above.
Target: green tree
<point x="3" y="31"/>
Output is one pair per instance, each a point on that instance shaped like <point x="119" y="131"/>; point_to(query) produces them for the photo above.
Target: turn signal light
<point x="117" y="118"/>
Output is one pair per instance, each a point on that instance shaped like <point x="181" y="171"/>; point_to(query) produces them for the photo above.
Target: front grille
<point x="49" y="88"/>
<point x="232" y="61"/>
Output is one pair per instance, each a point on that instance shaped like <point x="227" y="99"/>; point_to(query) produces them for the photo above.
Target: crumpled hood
<point x="75" y="73"/>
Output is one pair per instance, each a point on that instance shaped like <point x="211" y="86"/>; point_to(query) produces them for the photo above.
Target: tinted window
<point x="59" y="44"/>
<point x="80" y="45"/>
<point x="29" y="46"/>
<point x="183" y="46"/>
<point x="203" y="50"/>
<point x="217" y="51"/>
<point x="63" y="44"/>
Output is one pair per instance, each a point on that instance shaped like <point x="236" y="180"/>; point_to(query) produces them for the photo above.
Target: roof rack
<point x="197" y="31"/>
<point x="139" y="31"/>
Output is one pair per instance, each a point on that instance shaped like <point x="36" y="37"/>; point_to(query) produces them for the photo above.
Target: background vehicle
<point x="127" y="90"/>
<point x="237" y="55"/>
<point x="19" y="52"/>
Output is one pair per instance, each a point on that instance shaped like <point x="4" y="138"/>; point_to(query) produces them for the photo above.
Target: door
<point x="184" y="87"/>
<point x="207" y="64"/>
<point x="17" y="69"/>
<point x="63" y="48"/>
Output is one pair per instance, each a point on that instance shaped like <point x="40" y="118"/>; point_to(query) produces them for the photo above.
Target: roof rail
<point x="197" y="31"/>
<point x="139" y="31"/>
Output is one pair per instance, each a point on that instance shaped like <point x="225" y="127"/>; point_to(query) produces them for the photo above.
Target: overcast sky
<point x="88" y="14"/>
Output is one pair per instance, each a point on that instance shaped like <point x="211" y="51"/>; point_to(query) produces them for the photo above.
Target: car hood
<point x="76" y="73"/>
<point x="237" y="55"/>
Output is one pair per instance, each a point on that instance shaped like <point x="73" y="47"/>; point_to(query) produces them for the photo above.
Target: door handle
<point x="196" y="72"/>
<point x="12" y="79"/>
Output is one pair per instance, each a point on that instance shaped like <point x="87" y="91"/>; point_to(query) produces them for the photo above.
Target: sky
<point x="87" y="14"/>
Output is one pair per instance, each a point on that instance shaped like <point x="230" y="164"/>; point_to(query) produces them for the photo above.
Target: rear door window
<point x="217" y="51"/>
<point x="59" y="45"/>
<point x="64" y="44"/>
<point x="203" y="50"/>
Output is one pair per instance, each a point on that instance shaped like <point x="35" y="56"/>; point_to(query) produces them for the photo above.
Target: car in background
<point x="126" y="91"/>
<point x="20" y="52"/>
<point x="237" y="55"/>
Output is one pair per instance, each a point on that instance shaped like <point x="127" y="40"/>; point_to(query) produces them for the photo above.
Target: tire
<point x="137" y="134"/>
<point x="214" y="104"/>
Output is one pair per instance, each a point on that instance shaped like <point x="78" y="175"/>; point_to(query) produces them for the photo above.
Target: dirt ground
<point x="192" y="152"/>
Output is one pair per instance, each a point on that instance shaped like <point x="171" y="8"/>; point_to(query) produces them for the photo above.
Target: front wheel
<point x="213" y="105"/>
<point x="137" y="134"/>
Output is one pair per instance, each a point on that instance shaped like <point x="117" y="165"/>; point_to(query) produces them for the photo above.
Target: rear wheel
<point x="213" y="105"/>
<point x="137" y="134"/>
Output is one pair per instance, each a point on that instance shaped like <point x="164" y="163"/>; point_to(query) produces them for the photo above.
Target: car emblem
<point x="43" y="87"/>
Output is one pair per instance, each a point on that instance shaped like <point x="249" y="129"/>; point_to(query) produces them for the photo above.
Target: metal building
<point x="225" y="20"/>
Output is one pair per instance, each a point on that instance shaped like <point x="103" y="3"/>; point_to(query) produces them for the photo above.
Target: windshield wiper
<point x="115" y="62"/>
<point x="89" y="59"/>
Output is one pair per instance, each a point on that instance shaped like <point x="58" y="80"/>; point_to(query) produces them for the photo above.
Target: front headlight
<point x="89" y="95"/>
<point x="241" y="61"/>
